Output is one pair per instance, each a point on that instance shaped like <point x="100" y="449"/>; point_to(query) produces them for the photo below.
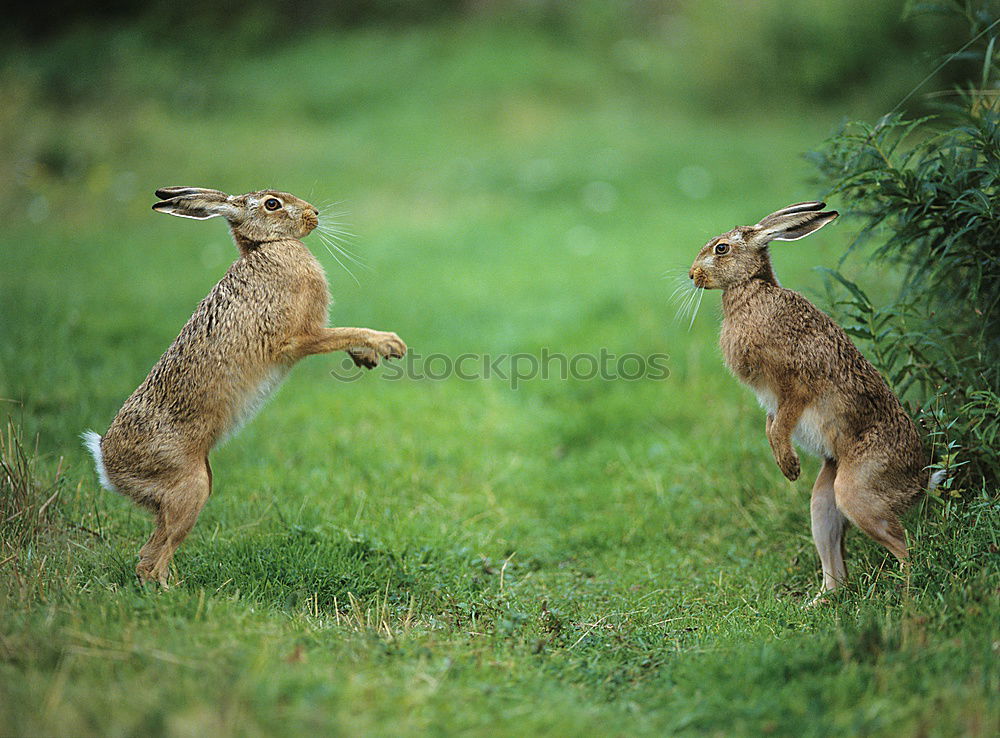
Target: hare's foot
<point x="180" y="504"/>
<point x="827" y="596"/>
<point x="161" y="573"/>
<point x="147" y="572"/>
<point x="378" y="345"/>
<point x="156" y="570"/>
<point x="822" y="598"/>
<point x="788" y="462"/>
<point x="143" y="572"/>
<point x="150" y="552"/>
<point x="828" y="530"/>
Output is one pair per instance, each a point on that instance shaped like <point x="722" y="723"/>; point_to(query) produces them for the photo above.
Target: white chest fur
<point x="251" y="403"/>
<point x="808" y="434"/>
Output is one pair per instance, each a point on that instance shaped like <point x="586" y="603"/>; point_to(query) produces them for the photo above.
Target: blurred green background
<point x="435" y="557"/>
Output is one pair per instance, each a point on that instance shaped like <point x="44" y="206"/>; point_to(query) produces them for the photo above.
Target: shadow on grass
<point x="285" y="569"/>
<point x="298" y="568"/>
<point x="335" y="573"/>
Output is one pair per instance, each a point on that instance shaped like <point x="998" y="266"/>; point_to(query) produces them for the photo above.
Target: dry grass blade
<point x="25" y="500"/>
<point x="375" y="617"/>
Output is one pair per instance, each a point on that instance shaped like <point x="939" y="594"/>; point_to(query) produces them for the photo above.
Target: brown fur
<point x="817" y="385"/>
<point x="266" y="313"/>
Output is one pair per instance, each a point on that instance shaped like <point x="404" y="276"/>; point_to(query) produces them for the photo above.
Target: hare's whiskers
<point x="683" y="307"/>
<point x="332" y="225"/>
<point x="681" y="285"/>
<point x="344" y="237"/>
<point x="701" y="295"/>
<point x="339" y="245"/>
<point x="331" y="210"/>
<point x="333" y="221"/>
<point x="680" y="303"/>
<point x="337" y="238"/>
<point x="337" y="259"/>
<point x="684" y="296"/>
<point x="341" y="233"/>
<point x="343" y="250"/>
<point x="689" y="305"/>
<point x="680" y="290"/>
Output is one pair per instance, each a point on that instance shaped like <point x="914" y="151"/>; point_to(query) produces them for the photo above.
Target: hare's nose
<point x="691" y="273"/>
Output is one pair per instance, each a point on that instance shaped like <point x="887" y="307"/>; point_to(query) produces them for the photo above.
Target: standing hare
<point x="266" y="313"/>
<point x="817" y="388"/>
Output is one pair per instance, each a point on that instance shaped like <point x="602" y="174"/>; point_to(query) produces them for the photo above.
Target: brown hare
<point x="816" y="388"/>
<point x="267" y="312"/>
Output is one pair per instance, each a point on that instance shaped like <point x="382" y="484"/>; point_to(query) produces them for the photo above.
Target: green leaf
<point x="987" y="64"/>
<point x="851" y="286"/>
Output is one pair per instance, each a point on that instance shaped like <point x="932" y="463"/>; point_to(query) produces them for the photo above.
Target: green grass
<point x="409" y="557"/>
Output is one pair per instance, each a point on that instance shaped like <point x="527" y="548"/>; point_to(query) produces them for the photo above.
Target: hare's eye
<point x="721" y="248"/>
<point x="272" y="203"/>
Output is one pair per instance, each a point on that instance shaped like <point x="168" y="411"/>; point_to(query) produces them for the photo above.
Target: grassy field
<point x="439" y="556"/>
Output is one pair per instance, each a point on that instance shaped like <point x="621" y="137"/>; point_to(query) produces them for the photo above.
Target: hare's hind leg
<point x="828" y="528"/>
<point x="150" y="552"/>
<point x="858" y="499"/>
<point x="180" y="506"/>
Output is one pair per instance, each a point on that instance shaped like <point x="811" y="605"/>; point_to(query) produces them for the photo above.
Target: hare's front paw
<point x="363" y="357"/>
<point x="378" y="345"/>
<point x="389" y="345"/>
<point x="789" y="465"/>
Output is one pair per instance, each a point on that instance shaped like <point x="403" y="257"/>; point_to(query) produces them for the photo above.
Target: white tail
<point x="92" y="442"/>
<point x="937" y="477"/>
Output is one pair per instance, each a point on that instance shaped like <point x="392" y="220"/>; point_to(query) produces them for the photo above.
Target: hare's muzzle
<point x="697" y="275"/>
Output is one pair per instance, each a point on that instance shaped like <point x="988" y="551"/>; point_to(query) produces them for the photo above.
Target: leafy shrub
<point x="928" y="189"/>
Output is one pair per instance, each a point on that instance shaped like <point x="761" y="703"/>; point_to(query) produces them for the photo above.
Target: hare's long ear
<point x="167" y="192"/>
<point x="794" y="222"/>
<point x="197" y="203"/>
<point x="799" y="207"/>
